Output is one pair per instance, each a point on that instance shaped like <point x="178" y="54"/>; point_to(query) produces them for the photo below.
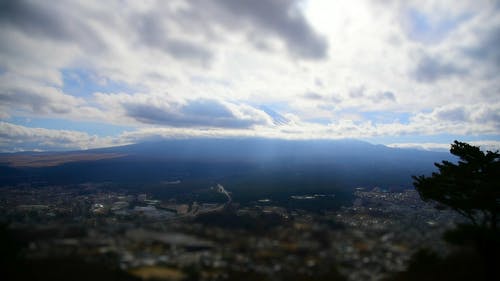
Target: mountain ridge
<point x="264" y="162"/>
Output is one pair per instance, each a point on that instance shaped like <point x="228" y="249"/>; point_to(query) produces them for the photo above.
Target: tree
<point x="471" y="187"/>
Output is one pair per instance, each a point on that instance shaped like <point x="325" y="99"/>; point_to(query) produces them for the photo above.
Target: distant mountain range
<point x="241" y="163"/>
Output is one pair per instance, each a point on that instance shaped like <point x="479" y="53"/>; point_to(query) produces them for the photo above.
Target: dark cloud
<point x="34" y="18"/>
<point x="360" y="92"/>
<point x="453" y="114"/>
<point x="41" y="100"/>
<point x="382" y="96"/>
<point x="489" y="115"/>
<point x="186" y="50"/>
<point x="485" y="52"/>
<point x="184" y="34"/>
<point x="72" y="23"/>
<point x="430" y="69"/>
<point x="332" y="97"/>
<point x="196" y="113"/>
<point x="313" y="96"/>
<point x="357" y="92"/>
<point x="280" y="18"/>
<point x="204" y="107"/>
<point x="487" y="49"/>
<point x="387" y="95"/>
<point x="478" y="114"/>
<point x="153" y="31"/>
<point x="50" y="20"/>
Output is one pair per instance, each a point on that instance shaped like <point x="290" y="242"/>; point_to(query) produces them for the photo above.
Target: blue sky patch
<point x="422" y="28"/>
<point x="383" y="117"/>
<point x="82" y="83"/>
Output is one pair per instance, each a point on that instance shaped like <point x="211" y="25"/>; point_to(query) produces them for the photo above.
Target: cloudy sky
<point x="78" y="75"/>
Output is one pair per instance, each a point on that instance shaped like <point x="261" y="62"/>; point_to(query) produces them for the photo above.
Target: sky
<point x="88" y="74"/>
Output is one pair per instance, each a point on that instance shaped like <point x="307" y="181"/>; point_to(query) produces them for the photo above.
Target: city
<point x="168" y="240"/>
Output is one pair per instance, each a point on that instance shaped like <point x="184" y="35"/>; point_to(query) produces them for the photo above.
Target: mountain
<point x="245" y="164"/>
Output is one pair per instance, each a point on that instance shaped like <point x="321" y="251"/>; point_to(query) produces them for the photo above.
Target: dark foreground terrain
<point x="98" y="232"/>
<point x="239" y="209"/>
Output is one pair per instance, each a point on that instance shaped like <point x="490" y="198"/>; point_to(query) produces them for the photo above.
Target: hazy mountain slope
<point x="247" y="163"/>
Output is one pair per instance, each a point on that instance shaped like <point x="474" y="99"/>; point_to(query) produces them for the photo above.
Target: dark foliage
<point x="15" y="267"/>
<point x="471" y="187"/>
<point x="426" y="265"/>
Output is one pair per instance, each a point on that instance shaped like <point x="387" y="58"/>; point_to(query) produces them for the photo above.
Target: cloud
<point x="430" y="69"/>
<point x="19" y="95"/>
<point x="357" y="92"/>
<point x="153" y="30"/>
<point x="422" y="146"/>
<point x="3" y="113"/>
<point x="491" y="145"/>
<point x="386" y="95"/>
<point x="459" y="119"/>
<point x="21" y="138"/>
<point x="456" y="43"/>
<point x="313" y="96"/>
<point x="456" y="114"/>
<point x="202" y="112"/>
<point x="15" y="137"/>
<point x="59" y="21"/>
<point x="187" y="50"/>
<point x="34" y="18"/>
<point x="361" y="93"/>
<point x="281" y="18"/>
<point x="29" y="95"/>
<point x="480" y="114"/>
<point x="485" y="49"/>
<point x="429" y="27"/>
<point x="92" y="28"/>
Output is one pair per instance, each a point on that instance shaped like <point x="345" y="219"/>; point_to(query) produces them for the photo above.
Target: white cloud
<point x="460" y="119"/>
<point x="491" y="145"/>
<point x="24" y="94"/>
<point x="20" y="138"/>
<point x="422" y="146"/>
